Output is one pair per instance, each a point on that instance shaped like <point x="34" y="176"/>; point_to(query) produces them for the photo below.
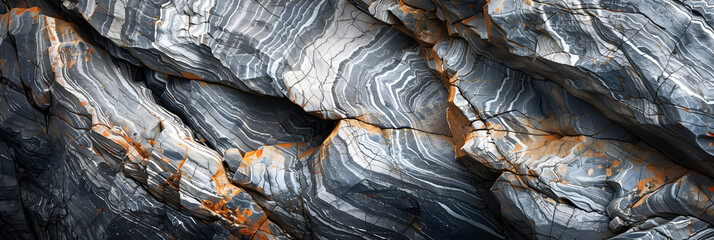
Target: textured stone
<point x="331" y="59"/>
<point x="642" y="64"/>
<point x="103" y="126"/>
<point x="368" y="182"/>
<point x="339" y="119"/>
<point x="565" y="162"/>
<point x="229" y="118"/>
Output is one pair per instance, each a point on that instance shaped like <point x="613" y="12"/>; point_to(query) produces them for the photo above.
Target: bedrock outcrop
<point x="356" y="119"/>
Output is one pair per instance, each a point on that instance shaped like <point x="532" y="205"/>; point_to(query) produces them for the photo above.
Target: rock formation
<point x="349" y="119"/>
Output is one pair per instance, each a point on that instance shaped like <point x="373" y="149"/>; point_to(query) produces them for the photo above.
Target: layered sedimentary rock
<point x="339" y="119"/>
<point x="368" y="182"/>
<point x="107" y="159"/>
<point x="326" y="56"/>
<point x="642" y="64"/>
<point x="229" y="118"/>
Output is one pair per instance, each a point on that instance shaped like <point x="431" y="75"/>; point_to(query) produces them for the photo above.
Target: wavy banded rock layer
<point x="356" y="119"/>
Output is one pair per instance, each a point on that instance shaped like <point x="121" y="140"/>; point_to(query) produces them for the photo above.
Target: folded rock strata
<point x="339" y="119"/>
<point x="368" y="182"/>
<point x="229" y="118"/>
<point x="331" y="59"/>
<point x="102" y="127"/>
<point x="642" y="64"/>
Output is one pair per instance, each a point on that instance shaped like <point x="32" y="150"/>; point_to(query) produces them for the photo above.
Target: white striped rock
<point x="326" y="56"/>
<point x="229" y="118"/>
<point x="643" y="64"/>
<point x="349" y="119"/>
<point x="368" y="182"/>
<point x="103" y="126"/>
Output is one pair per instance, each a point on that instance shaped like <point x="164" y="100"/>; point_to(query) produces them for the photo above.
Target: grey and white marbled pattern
<point x="368" y="182"/>
<point x="347" y="119"/>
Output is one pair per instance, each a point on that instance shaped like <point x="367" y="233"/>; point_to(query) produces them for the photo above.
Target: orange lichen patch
<point x="616" y="163"/>
<point x="132" y="147"/>
<point x="640" y="201"/>
<point x="251" y="157"/>
<point x="308" y="152"/>
<point x="71" y="63"/>
<point x="253" y="154"/>
<point x="590" y="172"/>
<point x="608" y="172"/>
<point x="265" y="230"/>
<point x="247" y="232"/>
<point x="190" y="76"/>
<point x="139" y="148"/>
<point x="237" y="216"/>
<point x="33" y="10"/>
<point x="226" y="191"/>
<point x="661" y="177"/>
<point x="286" y="145"/>
<point x="84" y="104"/>
<point x="175" y="179"/>
<point x="659" y="173"/>
<point x="497" y="10"/>
<point x="223" y="186"/>
<point x="221" y="209"/>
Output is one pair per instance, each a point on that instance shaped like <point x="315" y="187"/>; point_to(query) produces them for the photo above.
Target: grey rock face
<point x="339" y="119"/>
<point x="642" y="64"/>
<point x="229" y="118"/>
<point x="362" y="182"/>
<point x="110" y="159"/>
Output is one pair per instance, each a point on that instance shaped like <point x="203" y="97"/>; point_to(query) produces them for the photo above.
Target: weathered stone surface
<point x="229" y="118"/>
<point x="326" y="56"/>
<point x="102" y="127"/>
<point x="368" y="182"/>
<point x="338" y="119"/>
<point x="564" y="162"/>
<point x="678" y="228"/>
<point x="12" y="215"/>
<point x="561" y="159"/>
<point x="642" y="64"/>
